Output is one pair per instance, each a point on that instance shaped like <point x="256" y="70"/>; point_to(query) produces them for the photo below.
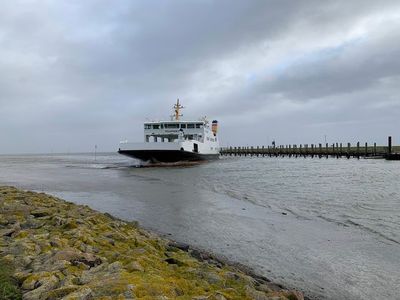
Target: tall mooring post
<point x="320" y="150"/>
<point x="348" y="150"/>
<point x="389" y="144"/>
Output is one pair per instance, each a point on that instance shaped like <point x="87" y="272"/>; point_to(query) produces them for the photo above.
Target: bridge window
<point x="147" y="126"/>
<point x="190" y="125"/>
<point x="156" y="126"/>
<point x="171" y="125"/>
<point x="183" y="125"/>
<point x="199" y="125"/>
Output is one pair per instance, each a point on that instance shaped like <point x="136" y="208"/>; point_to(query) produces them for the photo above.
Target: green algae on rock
<point x="60" y="250"/>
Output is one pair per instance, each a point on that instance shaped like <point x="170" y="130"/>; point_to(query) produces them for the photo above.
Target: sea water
<point x="329" y="227"/>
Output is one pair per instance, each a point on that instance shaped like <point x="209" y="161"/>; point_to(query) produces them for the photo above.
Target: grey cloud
<point x="80" y="73"/>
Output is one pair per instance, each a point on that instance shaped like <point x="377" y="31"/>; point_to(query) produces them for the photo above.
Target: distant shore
<point x="54" y="249"/>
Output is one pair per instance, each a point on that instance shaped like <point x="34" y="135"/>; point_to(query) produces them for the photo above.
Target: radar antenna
<point x="177" y="108"/>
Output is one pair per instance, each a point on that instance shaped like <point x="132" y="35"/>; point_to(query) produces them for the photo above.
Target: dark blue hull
<point x="167" y="156"/>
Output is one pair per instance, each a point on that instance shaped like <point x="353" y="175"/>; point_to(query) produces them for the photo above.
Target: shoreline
<point x="62" y="250"/>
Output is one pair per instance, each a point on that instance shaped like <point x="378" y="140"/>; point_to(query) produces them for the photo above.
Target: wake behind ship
<point x="175" y="141"/>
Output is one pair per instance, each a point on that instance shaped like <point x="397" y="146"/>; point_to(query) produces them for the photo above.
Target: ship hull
<point x="167" y="156"/>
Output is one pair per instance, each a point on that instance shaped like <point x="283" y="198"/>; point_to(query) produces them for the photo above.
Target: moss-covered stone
<point x="65" y="251"/>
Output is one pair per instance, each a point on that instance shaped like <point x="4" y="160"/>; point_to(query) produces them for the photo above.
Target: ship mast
<point x="177" y="108"/>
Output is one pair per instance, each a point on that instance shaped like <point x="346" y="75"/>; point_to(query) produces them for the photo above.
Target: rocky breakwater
<point x="60" y="250"/>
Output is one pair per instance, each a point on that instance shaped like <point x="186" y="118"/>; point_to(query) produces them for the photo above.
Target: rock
<point x="20" y="277"/>
<point x="63" y="250"/>
<point x="139" y="251"/>
<point x="42" y="286"/>
<point x="232" y="276"/>
<point x="23" y="247"/>
<point x="7" y="232"/>
<point x="110" y="216"/>
<point x="59" y="265"/>
<point x="70" y="224"/>
<point x="295" y="295"/>
<point x="82" y="294"/>
<point x="59" y="221"/>
<point x="219" y="296"/>
<point x="210" y="277"/>
<point x="213" y="278"/>
<point x="134" y="266"/>
<point x="10" y="259"/>
<point x="56" y="243"/>
<point x="41" y="212"/>
<point x="204" y="256"/>
<point x="77" y="258"/>
<point x="60" y="292"/>
<point x="115" y="267"/>
<point x="111" y="241"/>
<point x="86" y="277"/>
<point x="92" y="274"/>
<point x="88" y="249"/>
<point x="270" y="285"/>
<point x="31" y="281"/>
<point x="175" y="245"/>
<point x="26" y="261"/>
<point x="259" y="278"/>
<point x="41" y="263"/>
<point x="201" y="256"/>
<point x="129" y="294"/>
<point x="42" y="236"/>
<point x="174" y="261"/>
<point x="3" y="221"/>
<point x="32" y="223"/>
<point x="264" y="288"/>
<point x="70" y="280"/>
<point x="178" y="292"/>
<point x="256" y="295"/>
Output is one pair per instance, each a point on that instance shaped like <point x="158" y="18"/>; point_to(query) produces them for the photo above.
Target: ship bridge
<point x="169" y="131"/>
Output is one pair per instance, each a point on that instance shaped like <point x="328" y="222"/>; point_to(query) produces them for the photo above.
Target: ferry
<point x="175" y="140"/>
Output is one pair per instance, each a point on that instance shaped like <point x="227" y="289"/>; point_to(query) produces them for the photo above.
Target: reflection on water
<point x="328" y="226"/>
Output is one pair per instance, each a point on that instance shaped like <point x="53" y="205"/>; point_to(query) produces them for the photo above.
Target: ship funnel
<point x="214" y="127"/>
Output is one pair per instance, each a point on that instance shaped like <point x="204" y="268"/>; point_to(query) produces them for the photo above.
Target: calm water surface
<point x="330" y="227"/>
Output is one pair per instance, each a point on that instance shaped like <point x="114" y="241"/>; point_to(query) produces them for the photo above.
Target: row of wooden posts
<point x="314" y="150"/>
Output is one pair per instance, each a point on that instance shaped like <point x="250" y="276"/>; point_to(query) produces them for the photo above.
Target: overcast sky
<point x="78" y="73"/>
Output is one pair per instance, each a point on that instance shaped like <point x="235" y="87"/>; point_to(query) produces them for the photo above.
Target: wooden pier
<point x="337" y="150"/>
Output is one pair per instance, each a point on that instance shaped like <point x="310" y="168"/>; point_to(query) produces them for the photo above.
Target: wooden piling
<point x="348" y="150"/>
